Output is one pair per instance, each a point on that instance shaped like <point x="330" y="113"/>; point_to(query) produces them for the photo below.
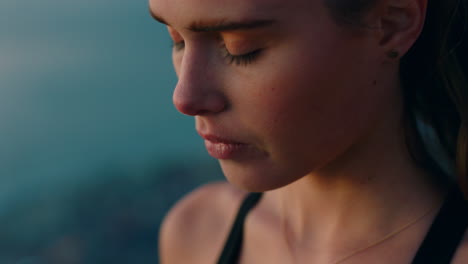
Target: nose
<point x="197" y="91"/>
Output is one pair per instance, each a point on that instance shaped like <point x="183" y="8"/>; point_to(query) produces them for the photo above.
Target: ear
<point x="401" y="23"/>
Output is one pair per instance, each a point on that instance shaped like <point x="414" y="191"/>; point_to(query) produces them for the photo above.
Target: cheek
<point x="305" y="110"/>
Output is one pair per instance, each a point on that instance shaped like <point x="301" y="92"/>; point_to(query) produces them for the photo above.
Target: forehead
<point x="181" y="12"/>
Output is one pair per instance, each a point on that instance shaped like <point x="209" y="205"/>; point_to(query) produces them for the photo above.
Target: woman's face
<point x="278" y="89"/>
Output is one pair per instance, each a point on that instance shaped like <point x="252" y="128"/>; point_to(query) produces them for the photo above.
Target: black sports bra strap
<point x="438" y="247"/>
<point x="446" y="232"/>
<point x="233" y="244"/>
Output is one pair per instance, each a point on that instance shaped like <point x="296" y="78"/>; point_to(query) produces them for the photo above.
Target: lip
<point x="223" y="148"/>
<point x="217" y="139"/>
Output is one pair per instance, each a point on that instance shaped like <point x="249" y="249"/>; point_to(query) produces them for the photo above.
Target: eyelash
<point x="239" y="60"/>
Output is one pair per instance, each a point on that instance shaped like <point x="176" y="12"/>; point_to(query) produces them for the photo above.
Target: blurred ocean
<point x="92" y="152"/>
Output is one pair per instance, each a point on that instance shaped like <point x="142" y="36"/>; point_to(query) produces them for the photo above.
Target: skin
<point x="320" y="112"/>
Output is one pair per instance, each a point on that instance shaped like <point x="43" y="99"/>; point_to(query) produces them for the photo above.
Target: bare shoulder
<point x="461" y="256"/>
<point x="195" y="229"/>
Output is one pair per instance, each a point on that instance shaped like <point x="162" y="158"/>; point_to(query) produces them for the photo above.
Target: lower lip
<point x="225" y="150"/>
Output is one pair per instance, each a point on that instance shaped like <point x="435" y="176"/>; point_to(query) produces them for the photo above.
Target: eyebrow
<point x="225" y="25"/>
<point x="222" y="25"/>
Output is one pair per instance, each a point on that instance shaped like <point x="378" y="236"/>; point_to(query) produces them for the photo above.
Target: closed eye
<point x="243" y="59"/>
<point x="238" y="60"/>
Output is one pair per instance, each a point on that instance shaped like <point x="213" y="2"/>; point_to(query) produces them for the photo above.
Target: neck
<point x="361" y="197"/>
<point x="379" y="202"/>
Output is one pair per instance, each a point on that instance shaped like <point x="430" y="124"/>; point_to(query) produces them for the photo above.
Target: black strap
<point x="446" y="232"/>
<point x="438" y="247"/>
<point x="233" y="244"/>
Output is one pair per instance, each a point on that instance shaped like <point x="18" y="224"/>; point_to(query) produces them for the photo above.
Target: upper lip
<point x="218" y="139"/>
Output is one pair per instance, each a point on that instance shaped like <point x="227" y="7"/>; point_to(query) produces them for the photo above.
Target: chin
<point x="253" y="177"/>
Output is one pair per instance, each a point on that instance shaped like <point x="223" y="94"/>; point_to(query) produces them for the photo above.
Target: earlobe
<point x="401" y="24"/>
